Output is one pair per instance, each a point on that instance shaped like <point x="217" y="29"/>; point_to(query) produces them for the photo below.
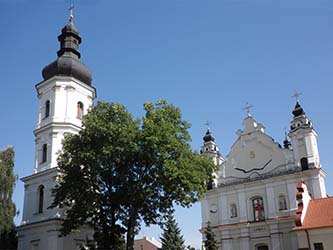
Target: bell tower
<point x="65" y="94"/>
<point x="211" y="149"/>
<point x="303" y="139"/>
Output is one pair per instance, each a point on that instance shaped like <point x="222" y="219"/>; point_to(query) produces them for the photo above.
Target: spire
<point x="69" y="38"/>
<point x="68" y="62"/>
<point x="286" y="142"/>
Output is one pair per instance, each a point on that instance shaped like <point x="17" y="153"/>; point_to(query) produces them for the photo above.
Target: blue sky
<point x="207" y="57"/>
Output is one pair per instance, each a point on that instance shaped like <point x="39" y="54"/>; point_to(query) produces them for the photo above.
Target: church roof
<point x="319" y="214"/>
<point x="298" y="110"/>
<point x="208" y="136"/>
<point x="68" y="61"/>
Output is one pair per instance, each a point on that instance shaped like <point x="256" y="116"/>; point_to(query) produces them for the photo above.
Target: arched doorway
<point x="261" y="247"/>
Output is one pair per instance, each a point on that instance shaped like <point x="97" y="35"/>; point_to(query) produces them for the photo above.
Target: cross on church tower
<point x="296" y="95"/>
<point x="247" y="108"/>
<point x="208" y="123"/>
<point x="71" y="17"/>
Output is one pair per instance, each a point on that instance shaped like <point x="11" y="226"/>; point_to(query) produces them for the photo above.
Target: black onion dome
<point x="70" y="27"/>
<point x="286" y="143"/>
<point x="208" y="136"/>
<point x="298" y="110"/>
<point x="68" y="66"/>
<point x="68" y="62"/>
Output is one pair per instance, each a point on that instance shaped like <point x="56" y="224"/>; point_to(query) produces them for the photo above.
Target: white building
<point x="314" y="220"/>
<point x="64" y="96"/>
<point x="251" y="201"/>
<point x="147" y="244"/>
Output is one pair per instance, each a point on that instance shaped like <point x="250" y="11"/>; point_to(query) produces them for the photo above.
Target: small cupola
<point x="208" y="136"/>
<point x="298" y="110"/>
<point x="68" y="62"/>
<point x="286" y="142"/>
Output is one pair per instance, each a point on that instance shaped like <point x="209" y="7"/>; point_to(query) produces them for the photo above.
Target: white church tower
<point x="65" y="95"/>
<point x="211" y="149"/>
<point x="304" y="140"/>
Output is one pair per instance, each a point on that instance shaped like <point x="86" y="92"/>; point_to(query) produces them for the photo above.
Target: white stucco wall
<point x="322" y="235"/>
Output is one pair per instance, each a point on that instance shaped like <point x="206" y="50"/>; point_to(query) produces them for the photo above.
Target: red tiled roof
<point x="319" y="214"/>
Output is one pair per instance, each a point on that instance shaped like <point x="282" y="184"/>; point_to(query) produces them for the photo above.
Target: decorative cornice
<point x="40" y="173"/>
<point x="256" y="176"/>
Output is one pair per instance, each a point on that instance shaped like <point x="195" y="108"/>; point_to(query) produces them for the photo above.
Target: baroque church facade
<point x="251" y="202"/>
<point x="64" y="95"/>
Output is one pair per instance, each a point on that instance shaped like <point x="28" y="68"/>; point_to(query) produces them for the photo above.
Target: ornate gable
<point x="254" y="155"/>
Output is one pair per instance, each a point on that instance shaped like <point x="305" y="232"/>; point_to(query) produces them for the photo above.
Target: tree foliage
<point x="210" y="242"/>
<point x="171" y="237"/>
<point x="119" y="171"/>
<point x="7" y="207"/>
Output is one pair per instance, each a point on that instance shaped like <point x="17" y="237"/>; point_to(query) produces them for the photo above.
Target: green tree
<point x="119" y="171"/>
<point x="210" y="242"/>
<point x="8" y="238"/>
<point x="171" y="238"/>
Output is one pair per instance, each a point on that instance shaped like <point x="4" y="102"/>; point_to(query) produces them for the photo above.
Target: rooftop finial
<point x="298" y="110"/>
<point x="286" y="142"/>
<point x="208" y="136"/>
<point x="71" y="17"/>
<point x="208" y="123"/>
<point x="247" y="108"/>
<point x="296" y="95"/>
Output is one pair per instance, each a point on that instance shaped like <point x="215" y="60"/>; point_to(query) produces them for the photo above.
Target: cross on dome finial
<point x="296" y="95"/>
<point x="71" y="17"/>
<point x="208" y="123"/>
<point x="208" y="136"/>
<point x="247" y="108"/>
<point x="298" y="110"/>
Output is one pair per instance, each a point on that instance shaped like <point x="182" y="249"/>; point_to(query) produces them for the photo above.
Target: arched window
<point x="40" y="199"/>
<point x="79" y="110"/>
<point x="258" y="209"/>
<point x="47" y="109"/>
<point x="262" y="247"/>
<point x="304" y="163"/>
<point x="282" y="202"/>
<point x="233" y="211"/>
<point x="44" y="153"/>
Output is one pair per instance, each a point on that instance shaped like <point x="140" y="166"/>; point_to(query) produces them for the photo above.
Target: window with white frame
<point x="318" y="246"/>
<point x="233" y="211"/>
<point x="79" y="110"/>
<point x="282" y="202"/>
<point x="40" y="199"/>
<point x="258" y="208"/>
<point x="47" y="109"/>
<point x="261" y="247"/>
<point x="44" y="153"/>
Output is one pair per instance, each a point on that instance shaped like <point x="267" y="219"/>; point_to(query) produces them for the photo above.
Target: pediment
<point x="253" y="153"/>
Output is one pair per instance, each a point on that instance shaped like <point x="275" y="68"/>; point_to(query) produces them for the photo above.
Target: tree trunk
<point x="131" y="228"/>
